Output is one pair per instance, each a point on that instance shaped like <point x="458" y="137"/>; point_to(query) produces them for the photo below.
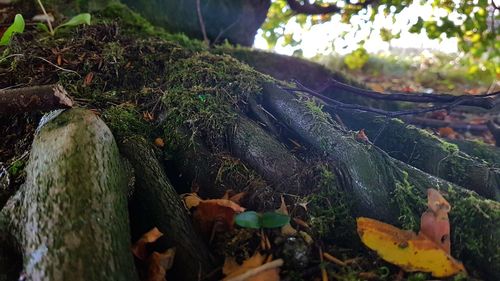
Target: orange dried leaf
<point x="139" y="247"/>
<point x="220" y="211"/>
<point x="191" y="200"/>
<point x="159" y="142"/>
<point x="447" y="132"/>
<point x="406" y="249"/>
<point x="361" y="136"/>
<point x="226" y="203"/>
<point x="434" y="223"/>
<point x="159" y="264"/>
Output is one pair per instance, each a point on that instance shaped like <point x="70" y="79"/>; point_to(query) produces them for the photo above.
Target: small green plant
<point x="16" y="27"/>
<point x="77" y="20"/>
<point x="256" y="220"/>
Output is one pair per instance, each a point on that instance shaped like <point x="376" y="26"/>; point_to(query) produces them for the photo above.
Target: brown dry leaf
<point x="434" y="223"/>
<point x="159" y="264"/>
<point x="159" y="142"/>
<point x="406" y="249"/>
<point x="139" y="247"/>
<point x="233" y="270"/>
<point x="361" y="136"/>
<point x="191" y="200"/>
<point x="287" y="229"/>
<point x="216" y="212"/>
<point x="447" y="132"/>
<point x="88" y="79"/>
<point x="376" y="87"/>
<point x="225" y="203"/>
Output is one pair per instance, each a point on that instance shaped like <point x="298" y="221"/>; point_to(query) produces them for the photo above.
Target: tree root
<point x="426" y="152"/>
<point x="155" y="203"/>
<point x="70" y="217"/>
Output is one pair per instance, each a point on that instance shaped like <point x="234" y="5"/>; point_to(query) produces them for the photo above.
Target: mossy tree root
<point x="155" y="203"/>
<point x="426" y="152"/>
<point x="387" y="189"/>
<point x="70" y="217"/>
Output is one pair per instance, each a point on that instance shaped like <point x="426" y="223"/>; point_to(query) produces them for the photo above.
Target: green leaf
<point x="16" y="27"/>
<point x="42" y="27"/>
<point x="248" y="219"/>
<point x="75" y="21"/>
<point x="273" y="219"/>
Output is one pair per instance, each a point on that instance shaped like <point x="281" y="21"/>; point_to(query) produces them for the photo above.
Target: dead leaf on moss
<point x="406" y="249"/>
<point x="434" y="223"/>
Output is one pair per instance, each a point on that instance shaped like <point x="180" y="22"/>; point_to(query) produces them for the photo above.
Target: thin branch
<point x="433" y="123"/>
<point x="38" y="98"/>
<point x="317" y="9"/>
<point x="202" y="23"/>
<point x="485" y="101"/>
<point x="312" y="9"/>
<point x="334" y="104"/>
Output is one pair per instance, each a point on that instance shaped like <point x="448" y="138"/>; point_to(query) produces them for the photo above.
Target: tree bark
<point x="234" y="20"/>
<point x="70" y="216"/>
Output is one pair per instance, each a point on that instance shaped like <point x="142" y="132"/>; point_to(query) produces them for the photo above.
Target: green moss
<point x="411" y="203"/>
<point x="475" y="226"/>
<point x="17" y="167"/>
<point x="329" y="210"/>
<point x="125" y="121"/>
<point x="204" y="92"/>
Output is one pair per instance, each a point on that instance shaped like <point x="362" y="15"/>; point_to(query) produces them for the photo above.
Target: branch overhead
<point x="317" y="9"/>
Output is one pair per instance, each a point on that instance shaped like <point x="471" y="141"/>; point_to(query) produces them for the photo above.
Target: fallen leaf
<point x="139" y="247"/>
<point x="216" y="215"/>
<point x="287" y="229"/>
<point x="88" y="79"/>
<point x="191" y="200"/>
<point x="159" y="264"/>
<point x="159" y="142"/>
<point x="447" y="132"/>
<point x="406" y="249"/>
<point x="361" y="136"/>
<point x="434" y="223"/>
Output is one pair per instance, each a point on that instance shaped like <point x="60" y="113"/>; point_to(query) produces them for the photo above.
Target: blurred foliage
<point x="472" y="22"/>
<point x="430" y="69"/>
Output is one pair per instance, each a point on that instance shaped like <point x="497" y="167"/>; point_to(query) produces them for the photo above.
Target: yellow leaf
<point x="406" y="249"/>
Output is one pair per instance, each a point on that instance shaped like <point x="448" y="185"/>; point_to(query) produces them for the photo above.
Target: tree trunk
<point x="234" y="20"/>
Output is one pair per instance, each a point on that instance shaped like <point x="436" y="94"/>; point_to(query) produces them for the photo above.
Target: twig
<point x="334" y="104"/>
<point x="333" y="259"/>
<point x="202" y="23"/>
<point x="433" y="123"/>
<point x="58" y="67"/>
<point x="484" y="101"/>
<point x="46" y="16"/>
<point x="257" y="270"/>
<point x="38" y="98"/>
